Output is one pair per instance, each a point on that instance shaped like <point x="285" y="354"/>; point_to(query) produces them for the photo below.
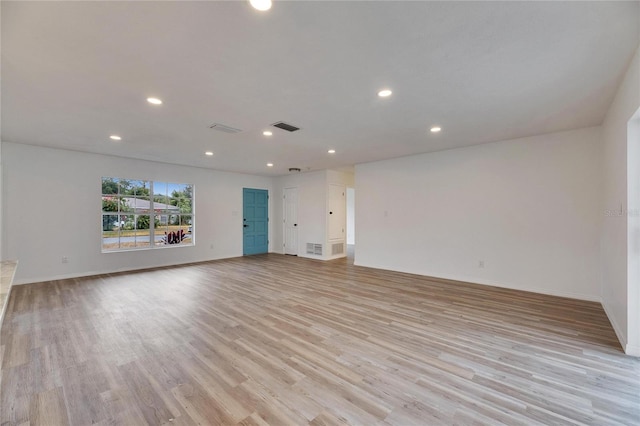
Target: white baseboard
<point x="475" y="280"/>
<point x="632" y="350"/>
<point x="113" y="271"/>
<point x="612" y="319"/>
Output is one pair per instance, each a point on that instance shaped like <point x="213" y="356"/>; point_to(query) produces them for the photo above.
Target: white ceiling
<point x="74" y="73"/>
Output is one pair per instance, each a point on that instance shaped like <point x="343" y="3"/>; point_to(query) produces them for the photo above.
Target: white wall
<point x="530" y="209"/>
<point x="311" y="205"/>
<point x="633" y="236"/>
<point x="340" y="178"/>
<point x="52" y="209"/>
<point x="1" y="207"/>
<point x="312" y="208"/>
<point x="351" y="218"/>
<point x="615" y="284"/>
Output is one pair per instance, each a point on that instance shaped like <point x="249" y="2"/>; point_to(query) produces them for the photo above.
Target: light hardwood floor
<point x="279" y="340"/>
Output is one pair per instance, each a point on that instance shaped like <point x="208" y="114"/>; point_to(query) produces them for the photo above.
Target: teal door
<point x="255" y="208"/>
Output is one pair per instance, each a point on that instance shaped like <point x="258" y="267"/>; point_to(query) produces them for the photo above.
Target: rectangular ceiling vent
<point x="222" y="128"/>
<point x="285" y="126"/>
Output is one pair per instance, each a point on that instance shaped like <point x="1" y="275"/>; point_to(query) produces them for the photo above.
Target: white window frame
<point x="151" y="213"/>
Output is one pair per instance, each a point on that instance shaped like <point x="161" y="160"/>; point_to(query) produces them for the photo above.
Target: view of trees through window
<point x="146" y="214"/>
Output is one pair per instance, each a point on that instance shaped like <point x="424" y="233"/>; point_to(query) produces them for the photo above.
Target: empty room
<point x="320" y="212"/>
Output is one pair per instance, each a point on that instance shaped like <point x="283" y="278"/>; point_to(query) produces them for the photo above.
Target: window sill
<point x="163" y="247"/>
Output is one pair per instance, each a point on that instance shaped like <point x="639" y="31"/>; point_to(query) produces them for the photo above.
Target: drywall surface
<point x="615" y="245"/>
<point x="1" y="207"/>
<point x="522" y="214"/>
<point x="633" y="237"/>
<point x="52" y="209"/>
<point x="351" y="216"/>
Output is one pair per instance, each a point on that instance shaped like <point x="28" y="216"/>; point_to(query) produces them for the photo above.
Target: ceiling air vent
<point x="285" y="126"/>
<point x="223" y="128"/>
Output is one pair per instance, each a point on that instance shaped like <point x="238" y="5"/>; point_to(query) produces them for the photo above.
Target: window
<point x="142" y="214"/>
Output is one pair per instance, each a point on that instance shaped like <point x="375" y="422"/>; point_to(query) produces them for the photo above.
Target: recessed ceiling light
<point x="261" y="4"/>
<point x="384" y="93"/>
<point x="115" y="137"/>
<point x="332" y="151"/>
<point x="435" y="129"/>
<point x="154" y="101"/>
<point x="267" y="133"/>
<point x="269" y="164"/>
<point x="209" y="153"/>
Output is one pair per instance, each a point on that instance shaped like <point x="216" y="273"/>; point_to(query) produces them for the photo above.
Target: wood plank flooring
<point x="281" y="340"/>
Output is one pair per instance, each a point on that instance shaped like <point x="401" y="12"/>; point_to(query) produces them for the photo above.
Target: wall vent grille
<point x="314" y="249"/>
<point x="337" y="248"/>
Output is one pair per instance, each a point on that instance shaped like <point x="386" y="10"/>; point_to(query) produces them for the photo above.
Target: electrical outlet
<point x="481" y="264"/>
<point x="65" y="259"/>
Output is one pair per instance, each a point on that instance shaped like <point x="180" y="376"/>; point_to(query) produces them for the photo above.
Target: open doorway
<point x="351" y="223"/>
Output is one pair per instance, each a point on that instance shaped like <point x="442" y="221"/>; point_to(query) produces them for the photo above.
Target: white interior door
<point x="337" y="212"/>
<point x="351" y="216"/>
<point x="291" y="221"/>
